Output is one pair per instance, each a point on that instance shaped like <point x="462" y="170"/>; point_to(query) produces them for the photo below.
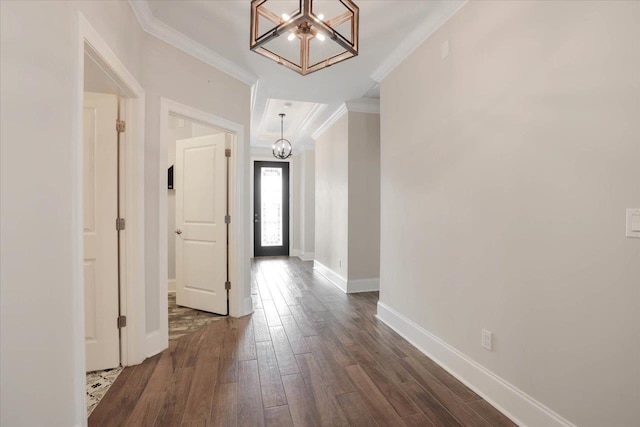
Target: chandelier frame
<point x="306" y="19"/>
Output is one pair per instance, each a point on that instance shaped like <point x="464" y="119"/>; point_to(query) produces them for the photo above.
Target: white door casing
<point x="200" y="175"/>
<point x="100" y="195"/>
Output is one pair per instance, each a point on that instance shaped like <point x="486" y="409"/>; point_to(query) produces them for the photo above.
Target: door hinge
<point x="122" y="322"/>
<point x="227" y="152"/>
<point x="120" y="224"/>
<point x="227" y="219"/>
<point x="121" y="125"/>
<point x="227" y="285"/>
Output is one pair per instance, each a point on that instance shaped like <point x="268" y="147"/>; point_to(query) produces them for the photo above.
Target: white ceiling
<point x="218" y="32"/>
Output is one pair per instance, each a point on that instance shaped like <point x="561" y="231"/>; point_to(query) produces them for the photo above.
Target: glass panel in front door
<point x="271" y="206"/>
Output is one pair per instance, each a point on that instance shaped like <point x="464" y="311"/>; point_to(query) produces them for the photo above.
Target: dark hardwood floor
<point x="308" y="356"/>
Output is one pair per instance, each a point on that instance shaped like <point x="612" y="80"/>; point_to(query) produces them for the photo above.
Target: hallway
<point x="309" y="355"/>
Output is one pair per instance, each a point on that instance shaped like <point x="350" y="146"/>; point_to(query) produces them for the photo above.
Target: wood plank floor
<point x="309" y="355"/>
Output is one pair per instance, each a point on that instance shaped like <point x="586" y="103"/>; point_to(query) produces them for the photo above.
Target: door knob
<point x="178" y="231"/>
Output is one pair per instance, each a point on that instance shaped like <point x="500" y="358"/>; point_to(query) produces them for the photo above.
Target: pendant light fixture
<point x="282" y="148"/>
<point x="316" y="34"/>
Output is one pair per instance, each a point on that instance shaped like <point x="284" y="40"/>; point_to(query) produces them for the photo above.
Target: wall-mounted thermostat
<point x="633" y="223"/>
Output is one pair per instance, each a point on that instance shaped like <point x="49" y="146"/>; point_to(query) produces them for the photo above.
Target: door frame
<point x="287" y="202"/>
<point x="131" y="194"/>
<point x="264" y="155"/>
<point x="240" y="303"/>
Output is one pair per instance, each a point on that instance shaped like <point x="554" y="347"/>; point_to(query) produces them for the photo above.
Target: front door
<point x="200" y="182"/>
<point x="271" y="209"/>
<point x="100" y="198"/>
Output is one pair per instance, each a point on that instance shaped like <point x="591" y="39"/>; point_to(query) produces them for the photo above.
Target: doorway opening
<point x="103" y="158"/>
<point x="198" y="177"/>
<point x="108" y="166"/>
<point x="271" y="209"/>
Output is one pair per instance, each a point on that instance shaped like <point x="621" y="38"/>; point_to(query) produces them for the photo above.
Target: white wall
<point x="296" y="175"/>
<point x="308" y="204"/>
<point x="364" y="196"/>
<point x="303" y="201"/>
<point x="175" y="133"/>
<point x="170" y="73"/>
<point x="40" y="201"/>
<point x="506" y="171"/>
<point x="332" y="216"/>
<point x="40" y="189"/>
<point x="347" y="237"/>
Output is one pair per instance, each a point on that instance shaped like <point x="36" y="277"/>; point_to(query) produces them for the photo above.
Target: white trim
<point x="363" y="285"/>
<point x="154" y="343"/>
<point x="247" y="306"/>
<point x="341" y="111"/>
<point x="238" y="261"/>
<point x="170" y="35"/>
<point x="295" y="253"/>
<point x="514" y="403"/>
<point x="330" y="275"/>
<point x="310" y="118"/>
<point x="364" y="105"/>
<point x="422" y="32"/>
<point x="254" y="96"/>
<point x="307" y="256"/>
<point x="171" y="283"/>
<point x="132" y="299"/>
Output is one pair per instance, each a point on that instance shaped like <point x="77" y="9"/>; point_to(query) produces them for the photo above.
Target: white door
<point x="100" y="194"/>
<point x="200" y="175"/>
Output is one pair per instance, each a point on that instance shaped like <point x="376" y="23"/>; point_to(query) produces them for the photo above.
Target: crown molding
<point x="311" y="117"/>
<point x="364" y="105"/>
<point x="254" y="95"/>
<point x="164" y="32"/>
<point x="261" y="135"/>
<point x="341" y="111"/>
<point x="422" y="32"/>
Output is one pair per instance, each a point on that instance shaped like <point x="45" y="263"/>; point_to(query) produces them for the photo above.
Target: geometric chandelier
<point x="305" y="35"/>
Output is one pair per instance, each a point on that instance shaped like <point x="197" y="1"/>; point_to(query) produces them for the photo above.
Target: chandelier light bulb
<point x="321" y="37"/>
<point x="286" y="17"/>
<point x="291" y="37"/>
<point x="321" y="17"/>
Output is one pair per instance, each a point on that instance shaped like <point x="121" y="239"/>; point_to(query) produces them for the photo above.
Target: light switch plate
<point x="633" y="223"/>
<point x="487" y="339"/>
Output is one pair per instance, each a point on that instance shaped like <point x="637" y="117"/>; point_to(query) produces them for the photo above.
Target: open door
<point x="100" y="192"/>
<point x="200" y="182"/>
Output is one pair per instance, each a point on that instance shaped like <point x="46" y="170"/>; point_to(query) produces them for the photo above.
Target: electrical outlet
<point x="487" y="339"/>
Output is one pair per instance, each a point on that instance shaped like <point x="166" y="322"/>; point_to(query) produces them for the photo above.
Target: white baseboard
<point x="154" y="343"/>
<point x="295" y="252"/>
<point x="363" y="285"/>
<point x="247" y="306"/>
<point x="331" y="275"/>
<point x="171" y="286"/>
<point x="521" y="408"/>
<point x="346" y="286"/>
<point x="306" y="256"/>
